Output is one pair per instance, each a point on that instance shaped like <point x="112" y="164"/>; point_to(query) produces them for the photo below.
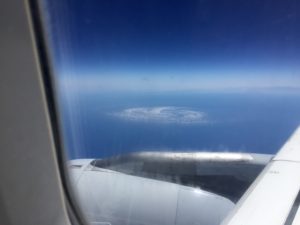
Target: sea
<point x="102" y="124"/>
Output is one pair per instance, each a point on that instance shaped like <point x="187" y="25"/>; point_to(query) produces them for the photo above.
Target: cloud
<point x="164" y="114"/>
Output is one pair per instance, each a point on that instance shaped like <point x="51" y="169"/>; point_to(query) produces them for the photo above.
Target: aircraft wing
<point x="273" y="198"/>
<point x="190" y="187"/>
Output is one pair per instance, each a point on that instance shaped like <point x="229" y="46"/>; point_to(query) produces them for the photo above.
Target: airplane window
<point x="171" y="109"/>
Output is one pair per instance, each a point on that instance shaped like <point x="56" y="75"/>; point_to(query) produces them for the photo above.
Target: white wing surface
<point x="272" y="198"/>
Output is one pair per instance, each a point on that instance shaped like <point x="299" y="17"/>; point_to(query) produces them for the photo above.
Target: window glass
<point x="170" y="109"/>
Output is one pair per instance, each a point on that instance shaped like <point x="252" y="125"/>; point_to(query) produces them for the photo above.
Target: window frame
<point x="34" y="187"/>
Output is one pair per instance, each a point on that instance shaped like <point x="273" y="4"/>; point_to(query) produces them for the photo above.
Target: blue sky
<point x="176" y="45"/>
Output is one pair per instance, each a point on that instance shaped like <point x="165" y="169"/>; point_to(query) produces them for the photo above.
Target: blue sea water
<point x="95" y="127"/>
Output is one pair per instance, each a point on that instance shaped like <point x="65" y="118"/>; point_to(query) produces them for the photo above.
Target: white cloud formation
<point x="164" y="114"/>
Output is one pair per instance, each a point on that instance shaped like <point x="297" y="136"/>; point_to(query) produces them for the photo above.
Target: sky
<point x="176" y="44"/>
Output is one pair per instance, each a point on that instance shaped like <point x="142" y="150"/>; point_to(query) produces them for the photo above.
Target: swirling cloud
<point x="165" y="114"/>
